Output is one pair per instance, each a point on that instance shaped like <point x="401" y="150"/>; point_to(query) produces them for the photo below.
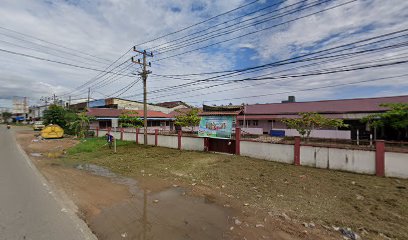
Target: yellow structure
<point x="52" y="131"/>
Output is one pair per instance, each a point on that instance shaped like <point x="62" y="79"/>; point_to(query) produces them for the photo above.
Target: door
<point x="221" y="145"/>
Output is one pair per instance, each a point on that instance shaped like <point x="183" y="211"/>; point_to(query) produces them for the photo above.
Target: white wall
<point x="191" y="143"/>
<point x="396" y="164"/>
<point x="358" y="161"/>
<point x="168" y="141"/>
<point x="268" y="151"/>
<point x="338" y="159"/>
<point x="320" y="133"/>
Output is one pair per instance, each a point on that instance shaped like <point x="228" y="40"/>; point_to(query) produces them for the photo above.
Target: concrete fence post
<point x="206" y="144"/>
<point x="237" y="141"/>
<point x="121" y="134"/>
<point x="297" y="151"/>
<point x="97" y="131"/>
<point x="137" y="135"/>
<point x="179" y="139"/>
<point x="156" y="136"/>
<point x="379" y="158"/>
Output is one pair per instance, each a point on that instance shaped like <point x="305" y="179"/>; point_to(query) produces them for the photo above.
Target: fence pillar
<point x="379" y="158"/>
<point x="156" y="136"/>
<point x="97" y="131"/>
<point x="237" y="141"/>
<point x="206" y="144"/>
<point x="121" y="134"/>
<point x="137" y="135"/>
<point x="179" y="139"/>
<point x="297" y="151"/>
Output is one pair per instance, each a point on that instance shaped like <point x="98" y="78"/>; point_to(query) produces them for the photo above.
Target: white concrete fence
<point x="379" y="162"/>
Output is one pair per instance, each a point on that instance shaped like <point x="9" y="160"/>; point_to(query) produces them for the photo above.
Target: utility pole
<point x="69" y="102"/>
<point x="144" y="74"/>
<point x="89" y="95"/>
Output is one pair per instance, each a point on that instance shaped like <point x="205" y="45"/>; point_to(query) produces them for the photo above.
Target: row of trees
<point x="73" y="123"/>
<point x="79" y="123"/>
<point x="70" y="121"/>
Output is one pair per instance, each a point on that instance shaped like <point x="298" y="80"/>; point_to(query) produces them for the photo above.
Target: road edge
<point x="66" y="204"/>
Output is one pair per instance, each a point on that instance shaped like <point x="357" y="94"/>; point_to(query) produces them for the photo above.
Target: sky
<point x="93" y="34"/>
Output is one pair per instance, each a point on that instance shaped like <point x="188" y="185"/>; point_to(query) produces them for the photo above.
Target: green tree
<point x="129" y="118"/>
<point x="55" y="115"/>
<point x="62" y="117"/>
<point x="396" y="117"/>
<point x="80" y="125"/>
<point x="188" y="119"/>
<point x="309" y="121"/>
<point x="6" y="116"/>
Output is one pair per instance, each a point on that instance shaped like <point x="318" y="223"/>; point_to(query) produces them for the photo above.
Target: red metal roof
<point x="277" y="116"/>
<point x="220" y="113"/>
<point x="112" y="112"/>
<point x="358" y="105"/>
<point x="182" y="111"/>
<point x="171" y="104"/>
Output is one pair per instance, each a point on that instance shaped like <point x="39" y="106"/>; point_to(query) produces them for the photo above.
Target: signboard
<point x="115" y="122"/>
<point x="97" y="103"/>
<point x="215" y="127"/>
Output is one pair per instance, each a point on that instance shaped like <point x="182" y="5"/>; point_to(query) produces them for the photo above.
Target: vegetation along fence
<point x="381" y="159"/>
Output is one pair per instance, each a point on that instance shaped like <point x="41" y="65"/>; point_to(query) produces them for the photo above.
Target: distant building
<point x="37" y="112"/>
<point x="155" y="119"/>
<point x="268" y="116"/>
<point x="119" y="103"/>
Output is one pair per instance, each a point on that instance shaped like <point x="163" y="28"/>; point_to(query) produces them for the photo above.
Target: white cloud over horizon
<point x="108" y="28"/>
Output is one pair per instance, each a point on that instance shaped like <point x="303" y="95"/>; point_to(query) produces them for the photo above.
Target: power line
<point x="290" y="60"/>
<point x="40" y="51"/>
<point x="55" y="44"/>
<point x="196" y="24"/>
<point x="225" y="31"/>
<point x="58" y="62"/>
<point x="325" y="72"/>
<point x="51" y="48"/>
<point x="100" y="75"/>
<point x="156" y="48"/>
<point x="279" y="78"/>
<point x="311" y="89"/>
<point x="257" y="31"/>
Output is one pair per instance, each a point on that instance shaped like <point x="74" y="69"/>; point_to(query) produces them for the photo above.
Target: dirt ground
<point x="250" y="198"/>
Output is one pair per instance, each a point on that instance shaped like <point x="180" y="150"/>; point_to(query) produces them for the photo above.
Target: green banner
<point x="215" y="127"/>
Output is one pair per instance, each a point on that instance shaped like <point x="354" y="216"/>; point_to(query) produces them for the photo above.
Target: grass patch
<point x="89" y="145"/>
<point x="378" y="205"/>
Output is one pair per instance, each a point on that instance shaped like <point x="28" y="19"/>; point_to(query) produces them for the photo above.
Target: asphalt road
<point x="29" y="209"/>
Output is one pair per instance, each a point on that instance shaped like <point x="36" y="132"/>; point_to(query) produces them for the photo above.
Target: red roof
<point x="171" y="104"/>
<point x="112" y="112"/>
<point x="358" y="105"/>
<point x="220" y="113"/>
<point x="182" y="111"/>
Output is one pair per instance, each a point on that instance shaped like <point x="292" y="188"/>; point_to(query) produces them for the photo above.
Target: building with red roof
<point x="104" y="117"/>
<point x="268" y="116"/>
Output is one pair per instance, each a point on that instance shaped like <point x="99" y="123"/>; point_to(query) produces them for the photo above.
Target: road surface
<point x="29" y="208"/>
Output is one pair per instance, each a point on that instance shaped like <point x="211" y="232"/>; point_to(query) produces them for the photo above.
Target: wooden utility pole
<point x="144" y="74"/>
<point x="89" y="96"/>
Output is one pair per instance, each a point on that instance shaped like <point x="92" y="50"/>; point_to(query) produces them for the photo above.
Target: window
<point x="255" y="122"/>
<point x="241" y="122"/>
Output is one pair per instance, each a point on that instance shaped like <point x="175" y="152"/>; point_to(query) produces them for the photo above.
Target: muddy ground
<point x="160" y="193"/>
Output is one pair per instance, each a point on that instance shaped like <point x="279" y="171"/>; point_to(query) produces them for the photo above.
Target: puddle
<point x="169" y="214"/>
<point x="36" y="154"/>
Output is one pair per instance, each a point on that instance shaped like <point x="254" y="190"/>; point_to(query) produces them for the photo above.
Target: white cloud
<point x="107" y="28"/>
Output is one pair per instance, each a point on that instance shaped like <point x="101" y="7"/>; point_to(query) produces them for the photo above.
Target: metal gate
<point x="221" y="145"/>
